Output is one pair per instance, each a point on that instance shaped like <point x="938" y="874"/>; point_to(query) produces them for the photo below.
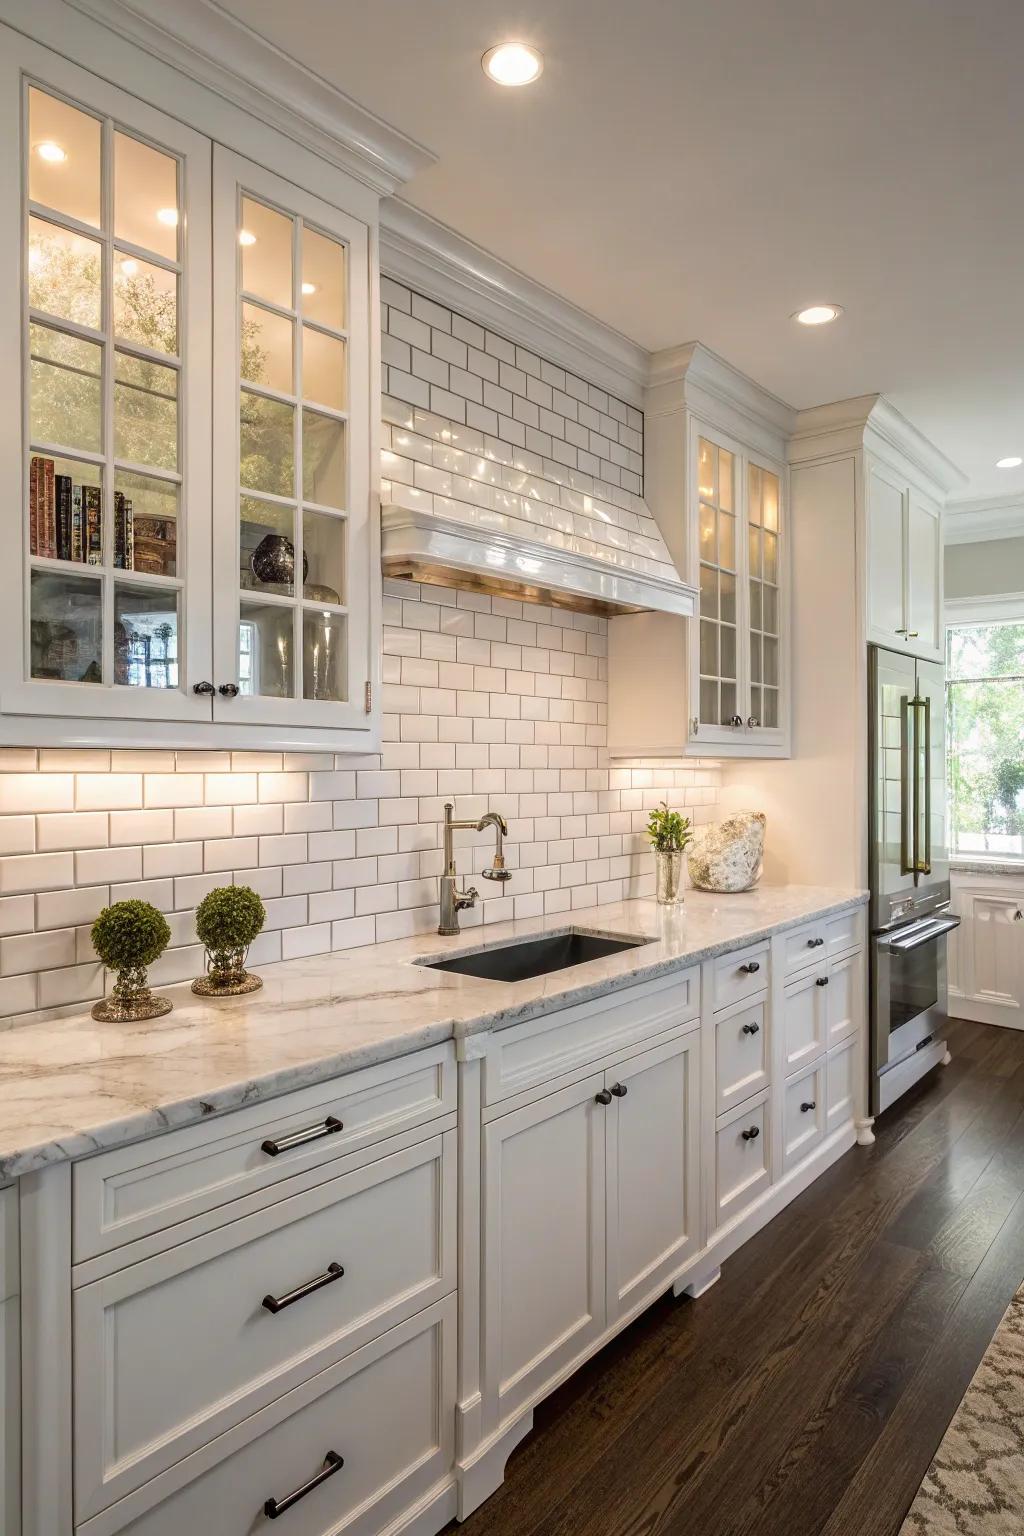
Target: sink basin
<point x="521" y="959"/>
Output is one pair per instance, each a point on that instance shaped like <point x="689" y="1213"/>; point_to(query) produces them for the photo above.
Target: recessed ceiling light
<point x="167" y="216"/>
<point x="1012" y="462"/>
<point x="512" y="63"/>
<point x="246" y="237"/>
<point x="52" y="152"/>
<point x="308" y="288"/>
<point x="818" y="314"/>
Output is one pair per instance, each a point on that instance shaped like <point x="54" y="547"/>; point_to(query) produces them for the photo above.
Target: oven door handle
<point x="924" y="933"/>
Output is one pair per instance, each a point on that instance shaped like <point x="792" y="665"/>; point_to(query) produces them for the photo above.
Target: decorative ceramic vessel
<point x="131" y="999"/>
<point x="668" y="876"/>
<point x="273" y="561"/>
<point x="728" y="857"/>
<point x="226" y="975"/>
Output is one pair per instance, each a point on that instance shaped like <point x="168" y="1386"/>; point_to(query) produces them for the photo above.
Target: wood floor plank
<point x="805" y="1394"/>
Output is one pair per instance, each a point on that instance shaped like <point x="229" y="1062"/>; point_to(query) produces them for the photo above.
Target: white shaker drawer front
<point x="841" y="1070"/>
<point x="803" y="1116"/>
<point x="563" y="1042"/>
<point x="802" y="947"/>
<point x="742" y="1155"/>
<point x="177" y="1349"/>
<point x="845" y="931"/>
<point x="740" y="975"/>
<point x="741" y="1055"/>
<point x="845" y="997"/>
<point x="349" y="1451"/>
<point x="135" y="1191"/>
<point x="804" y="1018"/>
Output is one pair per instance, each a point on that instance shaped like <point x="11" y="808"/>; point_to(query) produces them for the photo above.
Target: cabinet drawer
<point x="739" y="975"/>
<point x="822" y="938"/>
<point x="9" y="1250"/>
<point x="177" y="1349"/>
<point x="387" y="1411"/>
<point x="139" y="1190"/>
<point x="841" y="1072"/>
<point x="803" y="1116"/>
<point x="805" y="1017"/>
<point x="741" y="1054"/>
<point x="742" y="1157"/>
<point x="562" y="1042"/>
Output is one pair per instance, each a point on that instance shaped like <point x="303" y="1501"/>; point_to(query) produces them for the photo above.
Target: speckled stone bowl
<point x="728" y="857"/>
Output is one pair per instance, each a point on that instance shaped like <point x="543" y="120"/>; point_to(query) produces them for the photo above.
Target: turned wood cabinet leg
<point x="865" y="1135"/>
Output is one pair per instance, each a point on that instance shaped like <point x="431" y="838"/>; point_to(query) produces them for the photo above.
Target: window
<point x="985" y="738"/>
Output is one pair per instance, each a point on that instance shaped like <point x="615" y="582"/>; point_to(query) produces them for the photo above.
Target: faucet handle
<point x="496" y="874"/>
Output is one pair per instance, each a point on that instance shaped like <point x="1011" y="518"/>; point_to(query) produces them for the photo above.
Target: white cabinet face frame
<point x="925" y="631"/>
<point x="296" y="649"/>
<point x="107" y="303"/>
<point x="752" y="736"/>
<point x="904" y="539"/>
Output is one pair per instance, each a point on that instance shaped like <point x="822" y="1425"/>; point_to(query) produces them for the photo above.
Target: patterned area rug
<point x="975" y="1485"/>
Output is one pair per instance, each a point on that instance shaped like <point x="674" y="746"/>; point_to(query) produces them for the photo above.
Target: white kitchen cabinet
<point x="803" y="1115"/>
<point x="142" y="614"/>
<point x="653" y="1170"/>
<point x="717" y="484"/>
<point x="743" y="1157"/>
<point x="805" y="1018"/>
<point x="986" y="952"/>
<point x="10" y="1366"/>
<point x="543" y="1240"/>
<point x="904" y="590"/>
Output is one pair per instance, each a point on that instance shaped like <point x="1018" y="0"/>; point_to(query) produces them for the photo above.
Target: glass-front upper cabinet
<point x="113" y="529"/>
<point x="737" y="667"/>
<point x="292" y="558"/>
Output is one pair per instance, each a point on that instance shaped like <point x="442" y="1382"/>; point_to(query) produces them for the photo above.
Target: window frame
<point x="976" y="613"/>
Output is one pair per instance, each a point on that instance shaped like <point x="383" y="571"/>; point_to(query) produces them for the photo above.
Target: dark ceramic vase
<point x="273" y="561"/>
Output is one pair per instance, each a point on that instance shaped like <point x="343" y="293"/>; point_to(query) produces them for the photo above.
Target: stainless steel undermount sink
<point x="521" y="959"/>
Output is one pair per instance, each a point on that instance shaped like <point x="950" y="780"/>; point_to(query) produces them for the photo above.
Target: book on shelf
<point x="77" y="539"/>
<point x="93" y="514"/>
<point x="65" y="518"/>
<point x="63" y="484"/>
<point x="49" y="537"/>
<point x="124" y="539"/>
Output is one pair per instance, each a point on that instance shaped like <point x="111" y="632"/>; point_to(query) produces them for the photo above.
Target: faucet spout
<point x="453" y="901"/>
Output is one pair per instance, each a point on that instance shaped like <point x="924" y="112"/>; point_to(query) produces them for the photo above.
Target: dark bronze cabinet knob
<point x="619" y="1090"/>
<point x="822" y="981"/>
<point x="751" y="1029"/>
<point x="811" y="1104"/>
<point x="752" y="1133"/>
<point x="203" y="688"/>
<point x="751" y="967"/>
<point x="604" y="1097"/>
<point x="229" y="690"/>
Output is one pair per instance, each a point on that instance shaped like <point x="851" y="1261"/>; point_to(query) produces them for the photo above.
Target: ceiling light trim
<point x="195" y="37"/>
<point x="426" y="255"/>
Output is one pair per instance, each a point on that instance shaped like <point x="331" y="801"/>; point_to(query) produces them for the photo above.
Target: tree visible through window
<point x="985" y="738"/>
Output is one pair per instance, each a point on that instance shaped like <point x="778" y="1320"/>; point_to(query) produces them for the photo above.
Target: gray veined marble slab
<point x="979" y="866"/>
<point x="73" y="1086"/>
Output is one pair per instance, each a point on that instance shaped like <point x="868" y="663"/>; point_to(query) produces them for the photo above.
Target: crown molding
<point x="996" y="607"/>
<point x="979" y="519"/>
<point x="201" y="41"/>
<point x="426" y="255"/>
<point x="871" y="421"/>
<point x="693" y="375"/>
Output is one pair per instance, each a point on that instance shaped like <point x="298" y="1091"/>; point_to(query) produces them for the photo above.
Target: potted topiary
<point x="128" y="937"/>
<point x="669" y="833"/>
<point x="227" y="921"/>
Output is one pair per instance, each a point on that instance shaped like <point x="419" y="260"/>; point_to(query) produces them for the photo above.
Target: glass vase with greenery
<point x="227" y="921"/>
<point x="668" y="833"/>
<point x="128" y="937"/>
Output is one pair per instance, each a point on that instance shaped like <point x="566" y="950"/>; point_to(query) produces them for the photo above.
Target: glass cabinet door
<point x="115" y="512"/>
<point x="293" y="568"/>
<point x="719" y="554"/>
<point x="764" y="575"/>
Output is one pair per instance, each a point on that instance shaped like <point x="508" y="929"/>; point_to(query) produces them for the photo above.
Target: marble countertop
<point x="983" y="866"/>
<point x="73" y="1086"/>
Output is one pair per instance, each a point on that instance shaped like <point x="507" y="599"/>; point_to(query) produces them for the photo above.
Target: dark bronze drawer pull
<point x="619" y="1090"/>
<point x="751" y="967"/>
<point x="811" y="1104"/>
<point x="274" y="1508"/>
<point x="822" y="981"/>
<point x="278" y="1303"/>
<point x="274" y="1148"/>
<point x="751" y="1029"/>
<point x="752" y="1134"/>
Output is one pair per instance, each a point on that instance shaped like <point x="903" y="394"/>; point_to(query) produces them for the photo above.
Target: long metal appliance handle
<point x="906" y="809"/>
<point x="925" y="865"/>
<point x="924" y="933"/>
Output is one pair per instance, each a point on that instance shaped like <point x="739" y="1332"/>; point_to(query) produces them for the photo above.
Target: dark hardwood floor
<point x="807" y="1391"/>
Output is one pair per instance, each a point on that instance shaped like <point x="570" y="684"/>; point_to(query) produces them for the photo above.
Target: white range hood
<point x="569" y="542"/>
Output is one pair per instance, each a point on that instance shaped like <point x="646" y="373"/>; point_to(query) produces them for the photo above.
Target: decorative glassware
<point x="668" y="876"/>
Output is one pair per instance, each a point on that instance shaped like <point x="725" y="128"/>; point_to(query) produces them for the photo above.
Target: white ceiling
<point x="698" y="169"/>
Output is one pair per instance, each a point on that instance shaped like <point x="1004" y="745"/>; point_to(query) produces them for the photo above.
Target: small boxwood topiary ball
<point x="229" y="918"/>
<point x="130" y="934"/>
